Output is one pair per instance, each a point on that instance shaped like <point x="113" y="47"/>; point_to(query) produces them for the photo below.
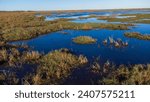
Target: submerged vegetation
<point x="84" y="40"/>
<point x="137" y="35"/>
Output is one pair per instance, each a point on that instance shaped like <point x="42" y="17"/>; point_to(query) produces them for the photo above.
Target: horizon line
<point x="80" y="9"/>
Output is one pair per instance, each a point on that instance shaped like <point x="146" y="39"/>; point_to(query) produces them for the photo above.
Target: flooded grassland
<point x="75" y="47"/>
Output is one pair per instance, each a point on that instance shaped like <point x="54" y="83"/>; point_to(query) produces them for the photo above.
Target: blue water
<point x="137" y="52"/>
<point x="89" y="20"/>
<point x="75" y="16"/>
<point x="93" y="20"/>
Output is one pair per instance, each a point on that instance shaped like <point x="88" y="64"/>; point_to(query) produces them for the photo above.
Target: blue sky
<point x="71" y="4"/>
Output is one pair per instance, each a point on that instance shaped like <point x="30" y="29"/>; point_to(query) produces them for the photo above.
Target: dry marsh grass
<point x="3" y="55"/>
<point x="137" y="35"/>
<point x="25" y="25"/>
<point x="56" y="66"/>
<point x="31" y="56"/>
<point x="123" y="75"/>
<point x="8" y="78"/>
<point x="12" y="57"/>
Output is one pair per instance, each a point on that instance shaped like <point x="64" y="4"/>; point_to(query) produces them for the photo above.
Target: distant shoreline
<point x="83" y="10"/>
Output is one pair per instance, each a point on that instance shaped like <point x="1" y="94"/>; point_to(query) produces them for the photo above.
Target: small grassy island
<point x="84" y="40"/>
<point x="137" y="35"/>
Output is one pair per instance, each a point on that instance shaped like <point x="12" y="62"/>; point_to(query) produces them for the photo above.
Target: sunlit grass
<point x="137" y="35"/>
<point x="11" y="57"/>
<point x="122" y="75"/>
<point x="84" y="40"/>
<point x="57" y="65"/>
<point x="26" y="25"/>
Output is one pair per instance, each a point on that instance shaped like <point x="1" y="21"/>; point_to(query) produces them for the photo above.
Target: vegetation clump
<point x="56" y="66"/>
<point x="116" y="43"/>
<point x="2" y="77"/>
<point x="11" y="57"/>
<point x="31" y="55"/>
<point x="109" y="74"/>
<point x="105" y="41"/>
<point x="137" y="35"/>
<point x="136" y="75"/>
<point x="8" y="78"/>
<point x="84" y="40"/>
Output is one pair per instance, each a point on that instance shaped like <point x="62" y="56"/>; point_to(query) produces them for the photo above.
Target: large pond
<point x="138" y="51"/>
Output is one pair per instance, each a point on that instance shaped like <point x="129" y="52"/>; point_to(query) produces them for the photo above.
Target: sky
<point x="10" y="5"/>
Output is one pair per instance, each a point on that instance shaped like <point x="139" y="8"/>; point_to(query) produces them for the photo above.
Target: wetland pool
<point x="138" y="51"/>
